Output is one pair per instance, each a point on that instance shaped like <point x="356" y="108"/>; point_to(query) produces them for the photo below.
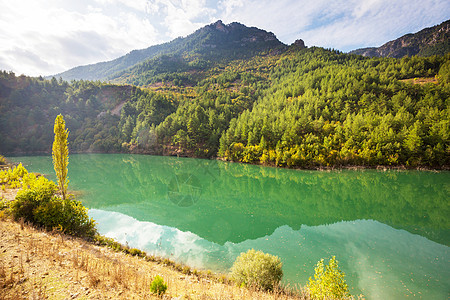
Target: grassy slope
<point x="39" y="265"/>
<point x="36" y="264"/>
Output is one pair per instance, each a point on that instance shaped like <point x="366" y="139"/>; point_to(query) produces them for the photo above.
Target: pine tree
<point x="60" y="153"/>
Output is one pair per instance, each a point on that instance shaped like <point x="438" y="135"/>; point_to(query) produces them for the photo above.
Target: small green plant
<point x="158" y="286"/>
<point x="12" y="177"/>
<point x="2" y="160"/>
<point x="257" y="269"/>
<point x="4" y="208"/>
<point x="136" y="252"/>
<point x="328" y="282"/>
<point x="111" y="243"/>
<point x="186" y="270"/>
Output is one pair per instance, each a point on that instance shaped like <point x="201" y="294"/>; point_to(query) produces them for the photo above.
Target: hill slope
<point x="303" y="108"/>
<point x="39" y="265"/>
<point x="214" y="42"/>
<point x="429" y="41"/>
<point x="241" y="95"/>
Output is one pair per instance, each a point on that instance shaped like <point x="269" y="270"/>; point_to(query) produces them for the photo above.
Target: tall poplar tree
<point x="60" y="153"/>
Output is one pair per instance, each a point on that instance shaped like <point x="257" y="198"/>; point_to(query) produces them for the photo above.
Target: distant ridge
<point x="220" y="43"/>
<point x="427" y="42"/>
<point x="216" y="41"/>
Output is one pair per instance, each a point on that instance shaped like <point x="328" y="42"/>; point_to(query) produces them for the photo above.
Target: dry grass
<point x="8" y="194"/>
<point x="41" y="265"/>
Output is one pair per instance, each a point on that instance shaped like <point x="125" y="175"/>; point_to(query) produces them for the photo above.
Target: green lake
<point x="390" y="230"/>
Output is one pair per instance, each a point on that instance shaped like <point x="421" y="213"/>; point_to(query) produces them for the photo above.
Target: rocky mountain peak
<point x="214" y="42"/>
<point x="299" y="43"/>
<point x="429" y="41"/>
<point x="220" y="26"/>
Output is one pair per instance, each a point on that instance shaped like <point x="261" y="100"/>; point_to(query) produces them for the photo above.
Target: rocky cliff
<point x="429" y="41"/>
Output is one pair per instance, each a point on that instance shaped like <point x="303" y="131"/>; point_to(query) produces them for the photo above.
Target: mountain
<point x="302" y="108"/>
<point x="237" y="93"/>
<point x="427" y="42"/>
<point x="214" y="42"/>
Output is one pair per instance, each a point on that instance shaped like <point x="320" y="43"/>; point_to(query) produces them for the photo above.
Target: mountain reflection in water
<point x="389" y="230"/>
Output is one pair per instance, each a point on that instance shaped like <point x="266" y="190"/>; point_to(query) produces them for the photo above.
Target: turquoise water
<point x="389" y="230"/>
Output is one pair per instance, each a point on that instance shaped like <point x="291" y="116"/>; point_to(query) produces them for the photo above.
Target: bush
<point x="2" y="160"/>
<point x="257" y="269"/>
<point x="12" y="177"/>
<point x="68" y="216"/>
<point x="37" y="203"/>
<point x="29" y="199"/>
<point x="158" y="286"/>
<point x="110" y="242"/>
<point x="329" y="282"/>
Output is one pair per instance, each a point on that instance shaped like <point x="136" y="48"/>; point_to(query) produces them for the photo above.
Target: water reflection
<point x="232" y="202"/>
<point x="390" y="230"/>
<point x="380" y="267"/>
<point x="223" y="202"/>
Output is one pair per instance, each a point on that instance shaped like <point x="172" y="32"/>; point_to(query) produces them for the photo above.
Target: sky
<point x="47" y="37"/>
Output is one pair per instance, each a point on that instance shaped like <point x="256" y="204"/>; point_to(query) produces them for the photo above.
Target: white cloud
<point x="284" y="17"/>
<point x="138" y="5"/>
<point x="366" y="7"/>
<point x="64" y="38"/>
<point x="49" y="36"/>
<point x="375" y="22"/>
<point x="181" y="17"/>
<point x="341" y="24"/>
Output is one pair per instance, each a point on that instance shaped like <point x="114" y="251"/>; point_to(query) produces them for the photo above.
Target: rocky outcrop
<point x="242" y="33"/>
<point x="427" y="42"/>
<point x="299" y="43"/>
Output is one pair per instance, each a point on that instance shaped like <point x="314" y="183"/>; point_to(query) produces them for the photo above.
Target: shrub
<point x="136" y="252"/>
<point x="257" y="269"/>
<point x="29" y="199"/>
<point x="37" y="203"/>
<point x="13" y="177"/>
<point x="329" y="282"/>
<point x="110" y="242"/>
<point x="186" y="270"/>
<point x="68" y="216"/>
<point x="158" y="286"/>
<point x="2" y="160"/>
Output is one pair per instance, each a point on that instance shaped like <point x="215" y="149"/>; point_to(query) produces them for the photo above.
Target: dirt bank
<point x="40" y="265"/>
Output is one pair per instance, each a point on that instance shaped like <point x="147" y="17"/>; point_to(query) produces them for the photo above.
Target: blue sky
<point x="50" y="36"/>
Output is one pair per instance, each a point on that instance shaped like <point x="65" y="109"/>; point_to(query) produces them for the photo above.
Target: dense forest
<point x="326" y="108"/>
<point x="299" y="108"/>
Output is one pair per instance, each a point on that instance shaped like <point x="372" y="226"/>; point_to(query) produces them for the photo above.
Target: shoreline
<point x="47" y="264"/>
<point x="311" y="168"/>
<point x="38" y="264"/>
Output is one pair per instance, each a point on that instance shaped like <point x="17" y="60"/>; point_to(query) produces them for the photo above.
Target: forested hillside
<point x="300" y="108"/>
<point x="326" y="108"/>
<point x="205" y="47"/>
<point x="92" y="110"/>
